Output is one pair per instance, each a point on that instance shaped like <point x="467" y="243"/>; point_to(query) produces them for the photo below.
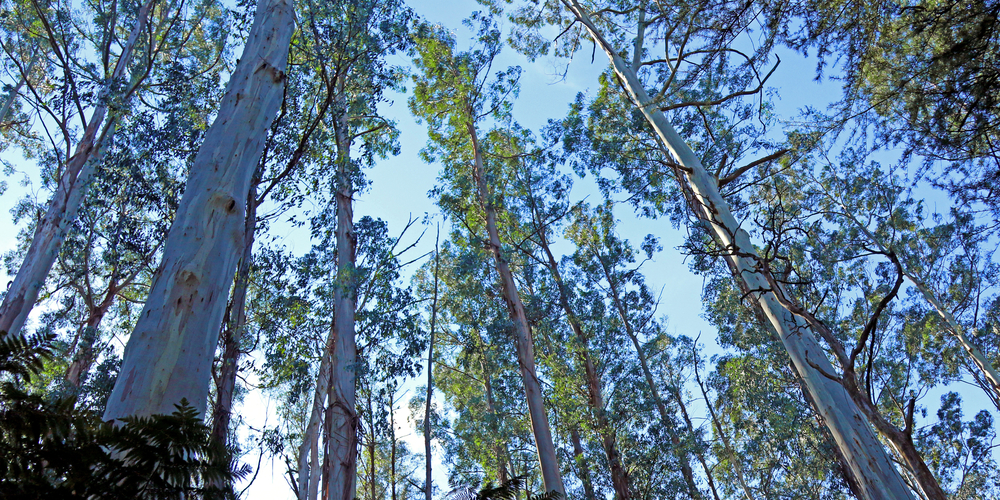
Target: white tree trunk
<point x="169" y="355"/>
<point x="547" y="458"/>
<point x="311" y="436"/>
<point x="865" y="455"/>
<point x="12" y="95"/>
<point x="343" y="447"/>
<point x="65" y="203"/>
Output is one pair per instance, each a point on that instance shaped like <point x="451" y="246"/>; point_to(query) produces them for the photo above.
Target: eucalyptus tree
<point x="111" y="248"/>
<point x="97" y="94"/>
<point x="488" y="439"/>
<point x="169" y="354"/>
<point x="455" y="93"/>
<point x="899" y="352"/>
<point x="603" y="258"/>
<point x="698" y="38"/>
<point x="542" y="195"/>
<point x="352" y="41"/>
<point x="388" y="339"/>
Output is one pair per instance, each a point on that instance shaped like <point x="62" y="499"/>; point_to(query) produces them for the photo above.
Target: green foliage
<point x="507" y="490"/>
<point x="51" y="449"/>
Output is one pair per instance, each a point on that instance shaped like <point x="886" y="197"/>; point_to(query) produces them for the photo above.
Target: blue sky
<point x="399" y="188"/>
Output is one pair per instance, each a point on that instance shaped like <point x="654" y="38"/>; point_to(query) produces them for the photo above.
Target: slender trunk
<point x="499" y="444"/>
<point x="327" y="436"/>
<point x="233" y="334"/>
<point x="499" y="447"/>
<point x="989" y="374"/>
<point x="392" y="448"/>
<point x="65" y="203"/>
<point x="867" y="458"/>
<point x="12" y="95"/>
<point x="344" y="449"/>
<point x="169" y="355"/>
<point x="658" y="401"/>
<point x="581" y="465"/>
<point x="700" y="456"/>
<point x="619" y="475"/>
<point x="986" y="369"/>
<point x="84" y="357"/>
<point x="547" y="459"/>
<point x="733" y="459"/>
<point x="371" y="448"/>
<point x="428" y="484"/>
<point x="311" y="435"/>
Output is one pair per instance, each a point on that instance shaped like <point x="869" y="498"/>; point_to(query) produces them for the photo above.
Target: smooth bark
<point x="169" y="355"/>
<point x="232" y="336"/>
<point x="343" y="448"/>
<point x="51" y="231"/>
<point x="547" y="458"/>
<point x="428" y="483"/>
<point x="311" y="435"/>
<point x="866" y="456"/>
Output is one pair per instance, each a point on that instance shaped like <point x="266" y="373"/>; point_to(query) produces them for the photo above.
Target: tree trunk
<point x="327" y="436"/>
<point x="169" y="355"/>
<point x="989" y="374"/>
<point x="311" y="435"/>
<point x="551" y="476"/>
<point x="661" y="406"/>
<point x="392" y="447"/>
<point x="12" y="95"/>
<point x="84" y="357"/>
<point x="582" y="466"/>
<point x="499" y="444"/>
<point x="233" y="334"/>
<point x="619" y="475"/>
<point x="428" y="483"/>
<point x="344" y="442"/>
<point x="868" y="460"/>
<point x="65" y="203"/>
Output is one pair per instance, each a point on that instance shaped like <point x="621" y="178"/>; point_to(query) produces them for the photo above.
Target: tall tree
<point x="169" y="355"/>
<point x="156" y="30"/>
<point x="456" y="92"/>
<point x="868" y="461"/>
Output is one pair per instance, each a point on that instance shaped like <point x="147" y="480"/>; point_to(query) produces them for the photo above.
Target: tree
<point x="454" y="93"/>
<point x="117" y="82"/>
<point x="169" y="355"/>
